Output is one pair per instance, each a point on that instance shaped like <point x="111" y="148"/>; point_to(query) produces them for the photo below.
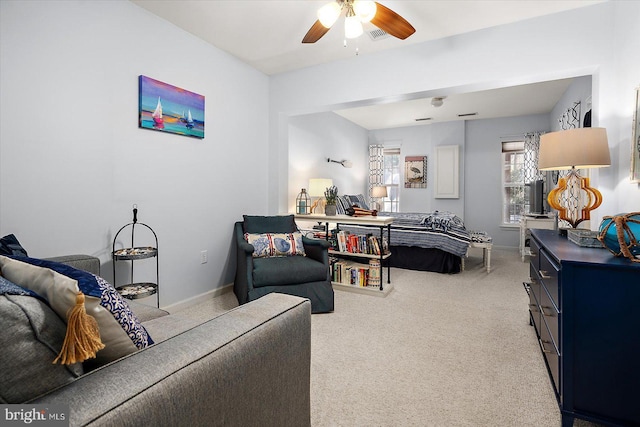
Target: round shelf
<point x="135" y="253"/>
<point x="137" y="290"/>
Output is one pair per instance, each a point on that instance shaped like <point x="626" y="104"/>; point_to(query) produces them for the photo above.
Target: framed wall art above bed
<point x="415" y="172"/>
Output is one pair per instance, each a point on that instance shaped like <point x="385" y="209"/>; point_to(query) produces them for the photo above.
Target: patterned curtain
<point x="573" y="199"/>
<point x="376" y="166"/>
<point x="531" y="155"/>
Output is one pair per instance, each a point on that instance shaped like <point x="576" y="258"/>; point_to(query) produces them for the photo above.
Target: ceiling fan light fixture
<point x="352" y="27"/>
<point x="365" y="9"/>
<point x="329" y="13"/>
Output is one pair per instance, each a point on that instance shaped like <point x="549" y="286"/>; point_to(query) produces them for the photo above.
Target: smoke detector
<point x="437" y="101"/>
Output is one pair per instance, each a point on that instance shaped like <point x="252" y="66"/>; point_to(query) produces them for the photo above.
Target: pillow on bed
<point x="340" y="205"/>
<point x="360" y="200"/>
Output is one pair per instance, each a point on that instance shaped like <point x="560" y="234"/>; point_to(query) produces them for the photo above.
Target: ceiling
<point x="267" y="34"/>
<point x="535" y="98"/>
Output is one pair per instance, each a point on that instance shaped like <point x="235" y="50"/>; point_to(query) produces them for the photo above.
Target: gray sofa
<point x="247" y="367"/>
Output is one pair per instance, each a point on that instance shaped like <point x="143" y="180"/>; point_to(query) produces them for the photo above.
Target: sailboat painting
<point x="168" y="108"/>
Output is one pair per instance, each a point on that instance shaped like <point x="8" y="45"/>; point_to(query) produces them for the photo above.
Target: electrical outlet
<point x="204" y="257"/>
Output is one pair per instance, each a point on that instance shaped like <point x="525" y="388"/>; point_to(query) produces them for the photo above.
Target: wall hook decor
<point x="346" y="163"/>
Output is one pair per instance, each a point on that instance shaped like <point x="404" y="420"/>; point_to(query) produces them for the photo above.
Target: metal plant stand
<point x="136" y="290"/>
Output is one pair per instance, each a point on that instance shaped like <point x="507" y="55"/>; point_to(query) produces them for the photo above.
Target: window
<point x="514" y="197"/>
<point x="391" y="178"/>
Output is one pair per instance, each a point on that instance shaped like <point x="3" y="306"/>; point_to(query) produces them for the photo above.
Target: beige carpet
<point x="439" y="350"/>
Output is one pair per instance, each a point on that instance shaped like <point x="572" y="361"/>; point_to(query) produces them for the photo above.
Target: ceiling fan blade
<point x="392" y="23"/>
<point x="314" y="34"/>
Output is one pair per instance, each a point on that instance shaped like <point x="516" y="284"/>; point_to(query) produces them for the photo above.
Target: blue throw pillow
<point x="9" y="245"/>
<point x="10" y="288"/>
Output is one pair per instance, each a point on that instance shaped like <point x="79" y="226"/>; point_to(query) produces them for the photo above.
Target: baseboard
<point x="190" y="302"/>
<point x="507" y="248"/>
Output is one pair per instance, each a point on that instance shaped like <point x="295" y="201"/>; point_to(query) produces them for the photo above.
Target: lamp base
<point x="318" y="204"/>
<point x="572" y="192"/>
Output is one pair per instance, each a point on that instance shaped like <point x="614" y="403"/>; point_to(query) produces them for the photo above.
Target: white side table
<point x="486" y="254"/>
<point x="527" y="222"/>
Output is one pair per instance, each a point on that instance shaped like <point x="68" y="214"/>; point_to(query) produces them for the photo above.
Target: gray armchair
<point x="304" y="276"/>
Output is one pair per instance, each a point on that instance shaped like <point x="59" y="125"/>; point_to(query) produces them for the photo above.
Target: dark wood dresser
<point x="585" y="307"/>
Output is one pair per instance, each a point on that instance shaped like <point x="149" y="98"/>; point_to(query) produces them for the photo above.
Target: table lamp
<point x="377" y="193"/>
<point x="316" y="189"/>
<point x="574" y="149"/>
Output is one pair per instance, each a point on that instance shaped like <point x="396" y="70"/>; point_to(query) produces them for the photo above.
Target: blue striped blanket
<point x="440" y="230"/>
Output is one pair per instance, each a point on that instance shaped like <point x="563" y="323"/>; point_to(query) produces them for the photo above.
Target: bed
<point x="434" y="241"/>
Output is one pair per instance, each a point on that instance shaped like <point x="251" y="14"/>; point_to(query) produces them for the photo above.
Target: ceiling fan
<point x="357" y="12"/>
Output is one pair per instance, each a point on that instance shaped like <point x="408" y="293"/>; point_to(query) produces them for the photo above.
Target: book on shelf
<point x="359" y="243"/>
<point x="356" y="274"/>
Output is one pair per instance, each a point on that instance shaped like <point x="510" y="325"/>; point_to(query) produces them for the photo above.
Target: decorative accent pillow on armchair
<point x="275" y="244"/>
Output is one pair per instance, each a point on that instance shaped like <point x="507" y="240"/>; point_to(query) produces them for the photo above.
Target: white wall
<point x="579" y="90"/>
<point x="421" y="141"/>
<point x="480" y="200"/>
<point x="603" y="44"/>
<point x="413" y="141"/>
<point x="483" y="183"/>
<point x="620" y="106"/>
<point x="313" y="138"/>
<point x="73" y="161"/>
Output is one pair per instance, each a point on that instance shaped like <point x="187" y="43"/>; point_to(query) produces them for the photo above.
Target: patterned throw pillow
<point x="120" y="330"/>
<point x="358" y="200"/>
<point x="342" y="204"/>
<point x="346" y="201"/>
<point x="275" y="244"/>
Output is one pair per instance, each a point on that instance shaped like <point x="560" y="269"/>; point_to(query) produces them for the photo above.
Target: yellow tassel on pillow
<point x="83" y="336"/>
